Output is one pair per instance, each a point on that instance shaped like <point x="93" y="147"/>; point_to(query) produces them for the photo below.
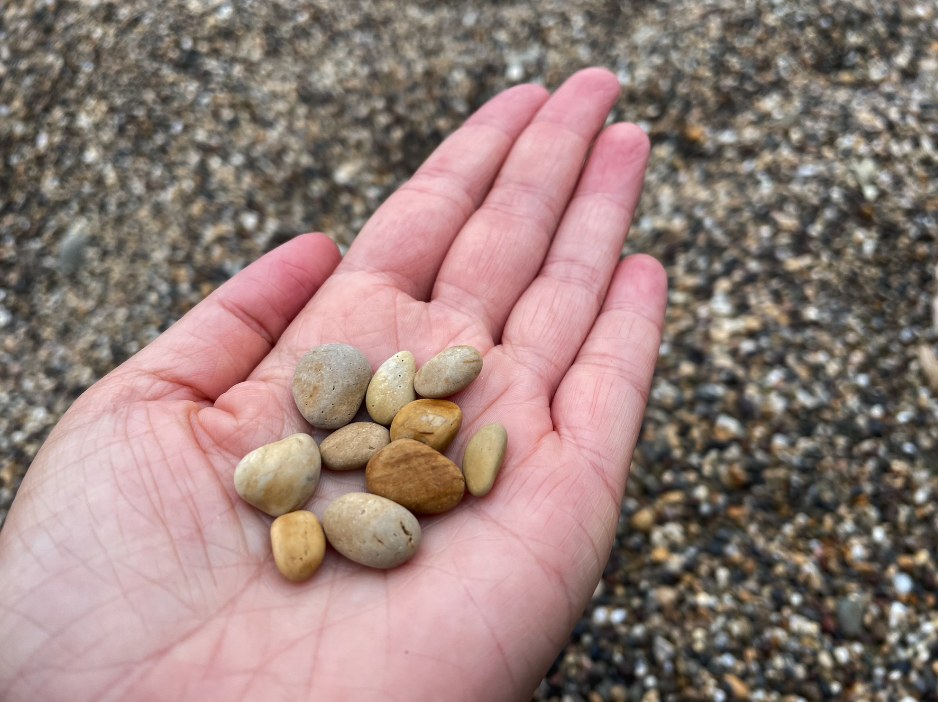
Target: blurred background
<point x="777" y="540"/>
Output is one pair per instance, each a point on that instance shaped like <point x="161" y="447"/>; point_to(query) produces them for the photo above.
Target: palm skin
<point x="130" y="569"/>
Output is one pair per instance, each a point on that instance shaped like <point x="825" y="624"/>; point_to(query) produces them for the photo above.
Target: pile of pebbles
<point x="406" y="472"/>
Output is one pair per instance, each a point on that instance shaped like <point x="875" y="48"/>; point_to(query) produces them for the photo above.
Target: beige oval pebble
<point x="280" y="477"/>
<point x="392" y="387"/>
<point x="371" y="530"/>
<point x="483" y="458"/>
<point x="353" y="445"/>
<point x="448" y="372"/>
<point x="330" y="383"/>
<point x="431" y="422"/>
<point x="298" y="545"/>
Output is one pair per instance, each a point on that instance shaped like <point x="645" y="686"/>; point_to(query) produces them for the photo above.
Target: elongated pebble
<point x="392" y="387"/>
<point x="298" y="543"/>
<point x="329" y="384"/>
<point x="483" y="458"/>
<point x="352" y="446"/>
<point x="371" y="530"/>
<point x="280" y="477"/>
<point x="448" y="372"/>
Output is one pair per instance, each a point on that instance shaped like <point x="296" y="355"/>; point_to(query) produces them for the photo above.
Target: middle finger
<point x="500" y="250"/>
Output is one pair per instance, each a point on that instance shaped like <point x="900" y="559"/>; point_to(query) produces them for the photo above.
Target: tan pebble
<point x="330" y="383"/>
<point x="298" y="545"/>
<point x="448" y="372"/>
<point x="371" y="530"/>
<point x="353" y="445"/>
<point x="643" y="519"/>
<point x="280" y="477"/>
<point x="392" y="387"/>
<point x="660" y="554"/>
<point x="483" y="458"/>
<point x="431" y="422"/>
<point x="738" y="688"/>
<point x="415" y="476"/>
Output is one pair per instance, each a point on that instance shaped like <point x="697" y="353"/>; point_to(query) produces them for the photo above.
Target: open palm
<point x="129" y="568"/>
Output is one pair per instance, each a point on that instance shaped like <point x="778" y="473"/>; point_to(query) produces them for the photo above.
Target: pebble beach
<point x="779" y="535"/>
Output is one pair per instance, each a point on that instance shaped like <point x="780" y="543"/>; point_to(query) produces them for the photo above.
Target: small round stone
<point x="298" y="543"/>
<point x="392" y="387"/>
<point x="414" y="475"/>
<point x="644" y="519"/>
<point x="431" y="422"/>
<point x="371" y="530"/>
<point x="330" y="383"/>
<point x="352" y="446"/>
<point x="483" y="458"/>
<point x="448" y="372"/>
<point x="280" y="477"/>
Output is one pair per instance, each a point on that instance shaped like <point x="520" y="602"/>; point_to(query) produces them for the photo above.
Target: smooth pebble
<point x="431" y="422"/>
<point x="415" y="476"/>
<point x="330" y="383"/>
<point x="448" y="372"/>
<point x="371" y="530"/>
<point x="392" y="387"/>
<point x="483" y="458"/>
<point x="298" y="543"/>
<point x="280" y="477"/>
<point x="353" y="445"/>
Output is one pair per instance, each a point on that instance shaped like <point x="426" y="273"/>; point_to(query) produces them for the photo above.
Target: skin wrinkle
<point x="525" y="202"/>
<point x="422" y="187"/>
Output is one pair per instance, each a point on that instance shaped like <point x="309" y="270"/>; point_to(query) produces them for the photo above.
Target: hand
<point x="129" y="567"/>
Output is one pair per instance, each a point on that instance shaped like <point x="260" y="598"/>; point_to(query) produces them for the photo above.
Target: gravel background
<point x="778" y="536"/>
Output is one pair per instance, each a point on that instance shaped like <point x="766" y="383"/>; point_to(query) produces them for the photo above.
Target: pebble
<point x="738" y="688"/>
<point x="415" y="476"/>
<point x="431" y="422"/>
<point x="280" y="477"/>
<point x="850" y="617"/>
<point x="644" y="519"/>
<point x="903" y="584"/>
<point x="371" y="530"/>
<point x="298" y="543"/>
<point x="352" y="446"/>
<point x="448" y="372"/>
<point x="483" y="458"/>
<point x="330" y="383"/>
<point x="392" y="387"/>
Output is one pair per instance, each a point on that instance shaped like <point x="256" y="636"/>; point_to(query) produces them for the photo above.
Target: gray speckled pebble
<point x="448" y="372"/>
<point x="330" y="383"/>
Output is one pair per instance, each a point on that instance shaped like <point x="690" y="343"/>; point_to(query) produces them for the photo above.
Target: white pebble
<point x="903" y="583"/>
<point x="600" y="616"/>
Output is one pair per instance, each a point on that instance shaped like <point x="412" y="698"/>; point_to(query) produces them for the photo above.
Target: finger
<point x="220" y="341"/>
<point x="407" y="238"/>
<point x="554" y="315"/>
<point x="500" y="250"/>
<point x="598" y="407"/>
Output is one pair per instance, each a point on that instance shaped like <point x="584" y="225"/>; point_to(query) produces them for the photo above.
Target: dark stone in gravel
<point x="850" y="617"/>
